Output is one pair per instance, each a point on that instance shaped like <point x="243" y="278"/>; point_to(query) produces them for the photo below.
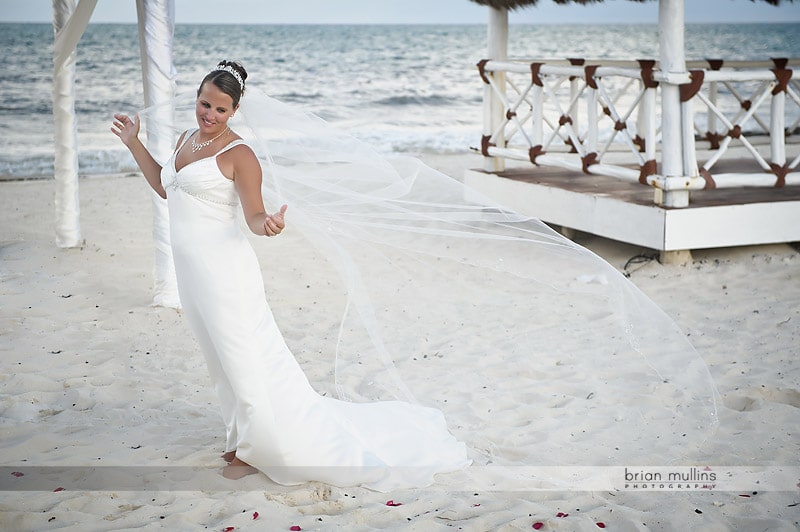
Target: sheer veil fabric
<point x="538" y="352"/>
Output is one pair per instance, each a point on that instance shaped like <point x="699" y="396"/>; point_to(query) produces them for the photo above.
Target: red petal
<point x="742" y="495"/>
<point x="228" y="529"/>
<point x="391" y="502"/>
<point x="476" y="504"/>
<point x="537" y="525"/>
<point x="58" y="489"/>
<point x="255" y="515"/>
<point x="561" y="514"/>
<point x="295" y="528"/>
<point x="18" y="474"/>
<point x="601" y="524"/>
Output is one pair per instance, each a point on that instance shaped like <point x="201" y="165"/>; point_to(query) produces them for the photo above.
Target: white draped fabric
<point x="156" y="24"/>
<point x="156" y="28"/>
<point x="69" y="23"/>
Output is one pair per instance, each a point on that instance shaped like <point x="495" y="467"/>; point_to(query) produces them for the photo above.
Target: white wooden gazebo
<point x="573" y="178"/>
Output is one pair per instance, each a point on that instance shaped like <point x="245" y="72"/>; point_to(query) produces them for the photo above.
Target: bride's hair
<point x="229" y="77"/>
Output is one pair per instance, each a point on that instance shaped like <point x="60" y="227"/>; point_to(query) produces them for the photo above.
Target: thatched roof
<point x="514" y="4"/>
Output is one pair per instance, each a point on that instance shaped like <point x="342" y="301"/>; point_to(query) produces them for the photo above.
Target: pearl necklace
<point x="197" y="146"/>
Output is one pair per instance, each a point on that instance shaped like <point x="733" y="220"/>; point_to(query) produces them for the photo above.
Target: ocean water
<point x="412" y="89"/>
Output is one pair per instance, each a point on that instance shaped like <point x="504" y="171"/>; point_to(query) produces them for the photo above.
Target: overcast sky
<point x="409" y="12"/>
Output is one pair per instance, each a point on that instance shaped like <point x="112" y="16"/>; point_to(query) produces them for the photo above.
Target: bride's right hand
<point x="125" y="128"/>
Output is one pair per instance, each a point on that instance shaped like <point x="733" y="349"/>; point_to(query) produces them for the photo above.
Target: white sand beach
<point x="94" y="376"/>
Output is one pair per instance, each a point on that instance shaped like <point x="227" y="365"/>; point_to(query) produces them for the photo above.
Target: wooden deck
<point x="624" y="211"/>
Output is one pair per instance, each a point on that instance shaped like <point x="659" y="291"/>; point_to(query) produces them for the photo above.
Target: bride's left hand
<point x="274" y="223"/>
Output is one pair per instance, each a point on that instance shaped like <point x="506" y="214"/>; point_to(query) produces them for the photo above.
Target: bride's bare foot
<point x="238" y="469"/>
<point x="229" y="456"/>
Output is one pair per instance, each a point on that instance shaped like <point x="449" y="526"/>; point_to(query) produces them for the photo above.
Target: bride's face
<point x="213" y="109"/>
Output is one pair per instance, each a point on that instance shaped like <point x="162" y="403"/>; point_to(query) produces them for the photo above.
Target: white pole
<point x="648" y="128"/>
<point x="713" y="91"/>
<point x="574" y="89"/>
<point x="673" y="63"/>
<point x="537" y="117"/>
<point x="777" y="134"/>
<point x="156" y="29"/>
<point x="69" y="24"/>
<point x="591" y="119"/>
<point x="641" y="116"/>
<point x="497" y="51"/>
<point x="689" y="151"/>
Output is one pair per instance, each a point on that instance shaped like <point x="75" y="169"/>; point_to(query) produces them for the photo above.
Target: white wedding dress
<point x="275" y="420"/>
<point x="538" y="352"/>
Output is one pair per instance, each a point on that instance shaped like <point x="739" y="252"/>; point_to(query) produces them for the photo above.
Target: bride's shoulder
<point x="238" y="151"/>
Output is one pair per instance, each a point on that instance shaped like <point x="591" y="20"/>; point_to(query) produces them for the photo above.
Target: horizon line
<point x="543" y="23"/>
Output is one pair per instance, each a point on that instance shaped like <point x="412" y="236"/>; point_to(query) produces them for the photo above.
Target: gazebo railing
<point x="604" y="117"/>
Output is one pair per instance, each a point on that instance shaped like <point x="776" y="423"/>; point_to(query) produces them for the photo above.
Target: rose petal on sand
<point x="537" y="525"/>
<point x="255" y="515"/>
<point x="391" y="502"/>
<point x="600" y="524"/>
<point x="561" y="514"/>
<point x="58" y="489"/>
<point x="228" y="529"/>
<point x="18" y="474"/>
<point x="295" y="527"/>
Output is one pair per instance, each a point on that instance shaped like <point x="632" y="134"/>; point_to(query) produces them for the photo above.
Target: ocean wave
<point x="90" y="162"/>
<point x="436" y="100"/>
<point x="298" y="96"/>
<point x="26" y="107"/>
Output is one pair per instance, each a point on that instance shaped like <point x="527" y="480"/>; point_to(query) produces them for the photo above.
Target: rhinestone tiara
<point x="232" y="71"/>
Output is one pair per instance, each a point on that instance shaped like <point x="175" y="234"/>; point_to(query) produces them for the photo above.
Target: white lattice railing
<point x="604" y="117"/>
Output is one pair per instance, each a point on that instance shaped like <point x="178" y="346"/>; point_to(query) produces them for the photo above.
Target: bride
<point x="275" y="422"/>
<point x="543" y="354"/>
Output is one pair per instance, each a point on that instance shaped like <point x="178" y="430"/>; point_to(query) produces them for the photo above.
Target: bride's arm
<point x="247" y="179"/>
<point x="128" y="131"/>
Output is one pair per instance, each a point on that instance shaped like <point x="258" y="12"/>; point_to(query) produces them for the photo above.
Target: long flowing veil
<point x="539" y="352"/>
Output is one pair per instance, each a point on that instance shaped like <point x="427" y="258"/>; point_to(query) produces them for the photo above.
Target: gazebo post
<point x="678" y="157"/>
<point x="494" y="110"/>
<point x="777" y="133"/>
<point x="69" y="23"/>
<point x="156" y="28"/>
<point x="673" y="69"/>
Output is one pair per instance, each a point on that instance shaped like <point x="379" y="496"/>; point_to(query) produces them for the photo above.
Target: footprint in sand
<point x="780" y="395"/>
<point x="302" y="496"/>
<point x="754" y="398"/>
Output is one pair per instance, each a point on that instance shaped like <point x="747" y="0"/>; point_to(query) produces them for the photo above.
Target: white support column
<point x="156" y="29"/>
<point x="689" y="150"/>
<point x="673" y="68"/>
<point x="69" y="23"/>
<point x="713" y="91"/>
<point x="592" y="120"/>
<point x="537" y="115"/>
<point x="641" y="115"/>
<point x="648" y="123"/>
<point x="497" y="51"/>
<point x="574" y="112"/>
<point x="777" y="129"/>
